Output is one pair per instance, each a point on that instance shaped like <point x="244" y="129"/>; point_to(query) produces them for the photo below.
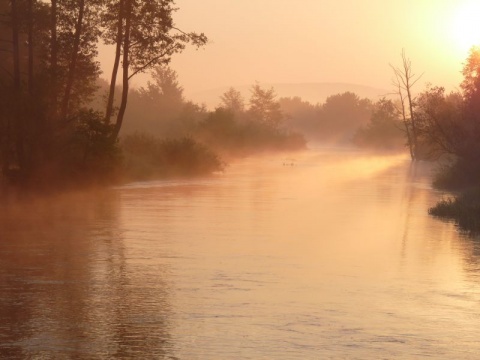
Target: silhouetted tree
<point x="264" y="107"/>
<point x="450" y="125"/>
<point x="233" y="100"/>
<point x="50" y="72"/>
<point x="258" y="129"/>
<point x="164" y="88"/>
<point x="383" y="131"/>
<point x="300" y="115"/>
<point x="341" y="115"/>
<point x="148" y="156"/>
<point x="160" y="107"/>
<point x="404" y="81"/>
<point x="441" y="126"/>
<point x="146" y="36"/>
<point x="471" y="74"/>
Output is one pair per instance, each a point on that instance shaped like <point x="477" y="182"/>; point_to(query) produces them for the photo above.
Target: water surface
<point x="326" y="254"/>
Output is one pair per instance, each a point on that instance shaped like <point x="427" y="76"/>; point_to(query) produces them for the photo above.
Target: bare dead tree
<point x="405" y="120"/>
<point x="404" y="80"/>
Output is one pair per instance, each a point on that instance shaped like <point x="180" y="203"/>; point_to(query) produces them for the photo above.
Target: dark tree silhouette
<point x="145" y="34"/>
<point x="233" y="100"/>
<point x="404" y="81"/>
<point x="50" y="74"/>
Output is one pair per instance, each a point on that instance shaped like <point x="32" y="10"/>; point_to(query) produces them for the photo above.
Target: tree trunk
<point x="53" y="58"/>
<point x="18" y="121"/>
<point x="408" y="76"/>
<point x="113" y="81"/>
<point x="30" y="47"/>
<point x="126" y="50"/>
<point x="414" y="133"/>
<point x="73" y="61"/>
<point x="15" y="47"/>
<point x="409" y="139"/>
<point x="405" y="123"/>
<point x="404" y="80"/>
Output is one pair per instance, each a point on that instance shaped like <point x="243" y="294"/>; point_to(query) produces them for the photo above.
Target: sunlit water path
<point x="326" y="254"/>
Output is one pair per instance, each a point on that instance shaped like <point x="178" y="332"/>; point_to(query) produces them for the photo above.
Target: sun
<point x="465" y="30"/>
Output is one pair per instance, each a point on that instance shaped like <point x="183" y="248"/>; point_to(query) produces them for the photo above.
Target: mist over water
<point x="326" y="253"/>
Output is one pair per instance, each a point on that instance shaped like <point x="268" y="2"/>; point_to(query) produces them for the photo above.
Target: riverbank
<point x="464" y="205"/>
<point x="464" y="209"/>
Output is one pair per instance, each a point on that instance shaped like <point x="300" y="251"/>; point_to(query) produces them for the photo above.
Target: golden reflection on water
<point x="328" y="254"/>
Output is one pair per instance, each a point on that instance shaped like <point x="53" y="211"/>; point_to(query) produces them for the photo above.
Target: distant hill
<point x="311" y="92"/>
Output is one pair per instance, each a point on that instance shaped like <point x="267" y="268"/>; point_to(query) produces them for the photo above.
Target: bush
<point x="383" y="131"/>
<point x="147" y="157"/>
<point x="91" y="154"/>
<point x="227" y="133"/>
<point x="457" y="175"/>
<point x="464" y="210"/>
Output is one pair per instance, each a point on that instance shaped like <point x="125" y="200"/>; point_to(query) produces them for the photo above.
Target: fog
<point x="334" y="256"/>
<point x="319" y="41"/>
<point x="227" y="179"/>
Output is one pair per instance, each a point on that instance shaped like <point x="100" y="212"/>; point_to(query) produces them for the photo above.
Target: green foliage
<point x="91" y="151"/>
<point x="237" y="135"/>
<point x="148" y="157"/>
<point x="301" y="116"/>
<point x="160" y="108"/>
<point x="453" y="125"/>
<point x="335" y="121"/>
<point x="165" y="88"/>
<point x="471" y="74"/>
<point x="153" y="35"/>
<point x="450" y="125"/>
<point x="264" y="108"/>
<point x="232" y="100"/>
<point x="441" y="124"/>
<point x="45" y="100"/>
<point x="457" y="174"/>
<point x="48" y="56"/>
<point x="384" y="129"/>
<point x="464" y="210"/>
<point x="341" y="115"/>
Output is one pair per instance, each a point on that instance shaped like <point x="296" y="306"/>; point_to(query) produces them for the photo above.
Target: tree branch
<point x="156" y="58"/>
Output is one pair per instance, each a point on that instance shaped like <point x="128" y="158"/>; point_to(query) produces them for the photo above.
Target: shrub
<point x="457" y="175"/>
<point x="91" y="154"/>
<point x="464" y="210"/>
<point x="240" y="136"/>
<point x="147" y="157"/>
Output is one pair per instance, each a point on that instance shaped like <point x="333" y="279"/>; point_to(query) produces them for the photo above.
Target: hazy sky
<point x="353" y="41"/>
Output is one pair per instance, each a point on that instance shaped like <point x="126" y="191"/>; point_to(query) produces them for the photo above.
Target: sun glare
<point x="465" y="30"/>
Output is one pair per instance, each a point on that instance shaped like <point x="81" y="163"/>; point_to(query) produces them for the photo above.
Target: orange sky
<point x="351" y="41"/>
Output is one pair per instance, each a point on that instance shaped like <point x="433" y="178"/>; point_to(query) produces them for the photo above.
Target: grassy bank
<point x="463" y="208"/>
<point x="146" y="157"/>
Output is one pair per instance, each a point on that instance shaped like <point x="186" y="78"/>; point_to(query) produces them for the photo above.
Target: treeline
<point x="452" y="122"/>
<point x="346" y="119"/>
<point x="446" y="127"/>
<point x="436" y="126"/>
<point x="238" y="123"/>
<point x="49" y="131"/>
<point x="237" y="127"/>
<point x="159" y="116"/>
<point x="61" y="124"/>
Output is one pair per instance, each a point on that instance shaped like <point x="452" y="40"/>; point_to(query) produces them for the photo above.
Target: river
<point x="317" y="255"/>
